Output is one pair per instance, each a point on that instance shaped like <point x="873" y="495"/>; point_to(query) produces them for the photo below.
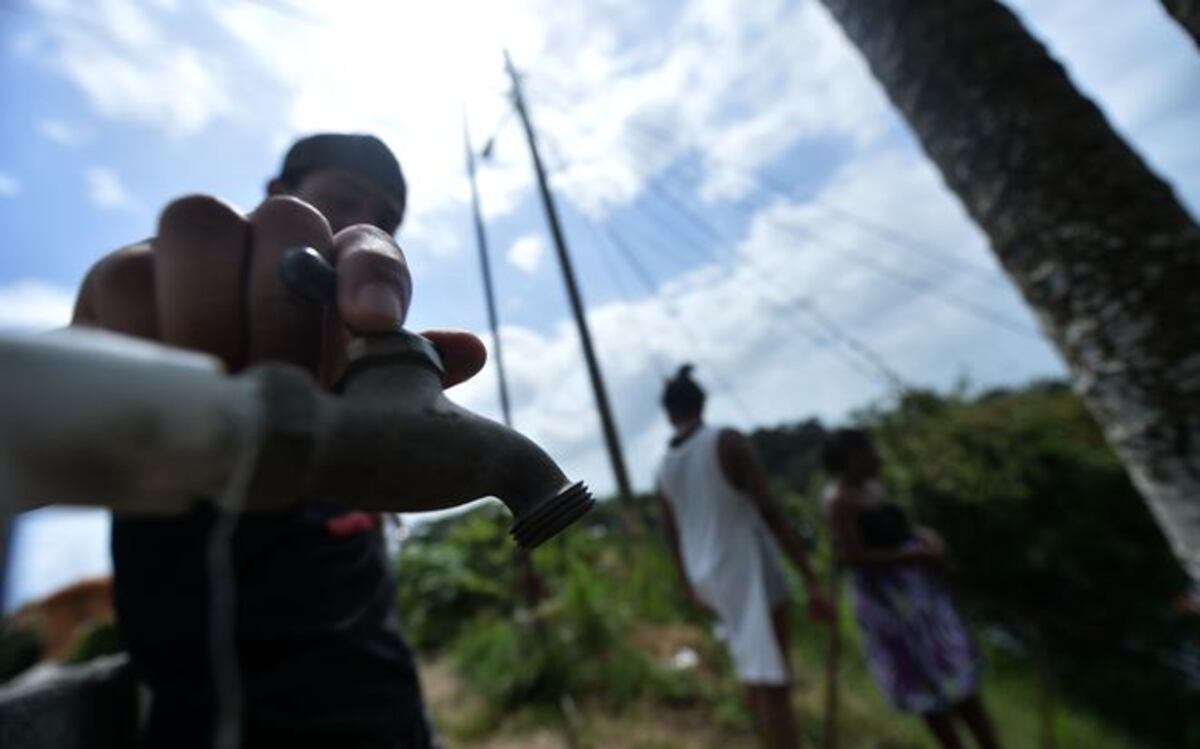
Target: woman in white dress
<point x="726" y="533"/>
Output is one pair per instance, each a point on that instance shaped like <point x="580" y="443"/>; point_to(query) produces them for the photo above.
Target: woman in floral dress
<point x="918" y="647"/>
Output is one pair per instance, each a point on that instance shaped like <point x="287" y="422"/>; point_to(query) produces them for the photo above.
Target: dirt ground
<point x="455" y="712"/>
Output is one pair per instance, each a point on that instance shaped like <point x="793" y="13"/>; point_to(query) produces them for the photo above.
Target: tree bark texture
<point x="1187" y="12"/>
<point x="1099" y="246"/>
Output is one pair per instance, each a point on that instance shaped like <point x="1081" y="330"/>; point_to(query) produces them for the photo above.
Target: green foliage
<point x="95" y="639"/>
<point x="20" y="648"/>
<point x="790" y="454"/>
<point x="577" y="640"/>
<point x="450" y="572"/>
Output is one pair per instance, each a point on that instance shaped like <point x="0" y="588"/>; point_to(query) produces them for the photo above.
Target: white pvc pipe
<point x="94" y="418"/>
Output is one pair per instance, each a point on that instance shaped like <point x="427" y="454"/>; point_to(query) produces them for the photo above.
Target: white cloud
<point x="32" y="305"/>
<point x="61" y="132"/>
<point x="716" y="80"/>
<point x="404" y="71"/>
<point x="701" y="84"/>
<point x="526" y="253"/>
<point x="129" y="67"/>
<point x="106" y="190"/>
<point x="10" y="186"/>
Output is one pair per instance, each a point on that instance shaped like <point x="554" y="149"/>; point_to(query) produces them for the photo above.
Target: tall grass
<point x="607" y="637"/>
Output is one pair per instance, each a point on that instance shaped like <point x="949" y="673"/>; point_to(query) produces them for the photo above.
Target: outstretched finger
<point x="374" y="286"/>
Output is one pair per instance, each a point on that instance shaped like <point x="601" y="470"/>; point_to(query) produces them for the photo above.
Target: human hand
<point x="933" y="546"/>
<point x="209" y="281"/>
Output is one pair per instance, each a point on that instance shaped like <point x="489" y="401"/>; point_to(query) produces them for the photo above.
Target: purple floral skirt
<point x="919" y="649"/>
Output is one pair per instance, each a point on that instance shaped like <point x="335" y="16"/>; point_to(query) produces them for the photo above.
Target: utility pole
<point x="611" y="439"/>
<point x="485" y="267"/>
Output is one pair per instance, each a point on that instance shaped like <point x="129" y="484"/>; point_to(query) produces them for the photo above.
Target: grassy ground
<point x="866" y="721"/>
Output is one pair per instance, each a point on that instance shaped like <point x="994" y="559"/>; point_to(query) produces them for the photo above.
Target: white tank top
<point x="728" y="554"/>
<point x="714" y="519"/>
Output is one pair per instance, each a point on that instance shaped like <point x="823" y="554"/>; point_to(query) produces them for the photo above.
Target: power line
<point x="824" y="323"/>
<point x="614" y="240"/>
<point x="877" y="368"/>
<point x="660" y="366"/>
<point x="921" y="285"/>
<point x="873" y="226"/>
<point x="806" y="305"/>
<point x="918" y="284"/>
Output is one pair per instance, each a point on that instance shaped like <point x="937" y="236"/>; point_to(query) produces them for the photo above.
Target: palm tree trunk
<point x="1098" y="245"/>
<point x="1187" y="12"/>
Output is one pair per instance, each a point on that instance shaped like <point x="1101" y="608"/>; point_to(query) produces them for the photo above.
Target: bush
<point x="93" y="640"/>
<point x="20" y="648"/>
<point x="443" y="583"/>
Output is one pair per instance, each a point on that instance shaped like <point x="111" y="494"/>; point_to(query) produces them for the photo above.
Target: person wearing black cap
<point x="319" y="657"/>
<point x="351" y="179"/>
<point x="725" y="532"/>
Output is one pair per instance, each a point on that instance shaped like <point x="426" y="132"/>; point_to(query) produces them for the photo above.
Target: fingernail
<point x="381" y="301"/>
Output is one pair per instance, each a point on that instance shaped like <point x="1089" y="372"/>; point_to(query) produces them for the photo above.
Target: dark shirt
<point x="884" y="526"/>
<point x="320" y="658"/>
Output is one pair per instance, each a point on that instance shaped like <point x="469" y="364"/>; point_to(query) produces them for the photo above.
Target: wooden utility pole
<point x="485" y="267"/>
<point x="611" y="439"/>
<point x="1099" y="245"/>
<point x="1187" y="12"/>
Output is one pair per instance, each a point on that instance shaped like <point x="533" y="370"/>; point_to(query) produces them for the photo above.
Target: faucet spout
<point x="391" y="440"/>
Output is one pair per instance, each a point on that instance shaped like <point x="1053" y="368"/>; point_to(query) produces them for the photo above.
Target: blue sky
<point x="740" y="150"/>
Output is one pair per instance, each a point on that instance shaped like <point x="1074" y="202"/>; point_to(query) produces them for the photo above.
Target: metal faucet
<point x="95" y="418"/>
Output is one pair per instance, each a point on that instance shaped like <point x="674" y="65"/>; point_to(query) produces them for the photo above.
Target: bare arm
<point x="740" y="465"/>
<point x="847" y="546"/>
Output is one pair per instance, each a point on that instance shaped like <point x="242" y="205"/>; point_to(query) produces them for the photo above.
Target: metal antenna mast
<point x="485" y="267"/>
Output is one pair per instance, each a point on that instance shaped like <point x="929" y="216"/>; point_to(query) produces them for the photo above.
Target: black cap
<point x="364" y="155"/>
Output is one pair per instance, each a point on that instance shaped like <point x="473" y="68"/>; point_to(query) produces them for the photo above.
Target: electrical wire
<point x="876" y="370"/>
<point x="881" y="230"/>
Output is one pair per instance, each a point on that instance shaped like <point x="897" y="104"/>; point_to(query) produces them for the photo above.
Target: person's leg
<point x="976" y="718"/>
<point x="943" y="729"/>
<point x="771" y="711"/>
<point x="770" y="705"/>
<point x="781" y="623"/>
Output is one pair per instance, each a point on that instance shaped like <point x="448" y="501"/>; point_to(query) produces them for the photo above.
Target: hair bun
<point x="683" y="395"/>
